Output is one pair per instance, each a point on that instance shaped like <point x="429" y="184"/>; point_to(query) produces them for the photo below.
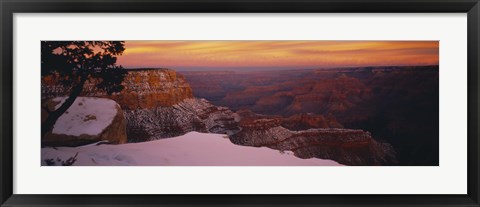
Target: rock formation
<point x="189" y="115"/>
<point x="309" y="121"/>
<point x="85" y="123"/>
<point x="346" y="146"/>
<point x="158" y="103"/>
<point x="143" y="89"/>
<point x="398" y="105"/>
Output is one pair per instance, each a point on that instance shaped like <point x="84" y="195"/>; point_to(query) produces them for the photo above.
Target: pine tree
<point x="75" y="62"/>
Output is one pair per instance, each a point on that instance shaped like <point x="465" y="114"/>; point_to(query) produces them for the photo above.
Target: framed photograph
<point x="239" y="103"/>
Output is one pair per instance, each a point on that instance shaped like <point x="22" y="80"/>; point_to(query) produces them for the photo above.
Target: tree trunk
<point x="53" y="116"/>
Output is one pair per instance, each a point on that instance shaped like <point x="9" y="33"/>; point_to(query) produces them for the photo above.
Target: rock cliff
<point x="346" y="146"/>
<point x="189" y="115"/>
<point x="143" y="89"/>
<point x="158" y="103"/>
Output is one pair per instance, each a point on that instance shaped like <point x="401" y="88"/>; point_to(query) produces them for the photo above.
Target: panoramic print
<point x="239" y="103"/>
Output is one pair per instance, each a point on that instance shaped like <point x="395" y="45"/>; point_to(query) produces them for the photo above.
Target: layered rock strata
<point x="158" y="103"/>
<point x="143" y="88"/>
<point x="346" y="146"/>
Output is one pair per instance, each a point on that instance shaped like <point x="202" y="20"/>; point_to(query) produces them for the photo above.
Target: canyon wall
<point x="346" y="146"/>
<point x="170" y="121"/>
<point x="143" y="88"/>
<point x="158" y="103"/>
<point x="397" y="105"/>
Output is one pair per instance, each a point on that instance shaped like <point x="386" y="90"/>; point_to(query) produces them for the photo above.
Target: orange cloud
<point x="302" y="54"/>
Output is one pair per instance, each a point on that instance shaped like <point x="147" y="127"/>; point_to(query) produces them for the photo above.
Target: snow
<point x="191" y="149"/>
<point x="87" y="115"/>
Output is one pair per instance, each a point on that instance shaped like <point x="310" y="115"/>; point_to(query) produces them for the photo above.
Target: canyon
<point x="397" y="104"/>
<point x="299" y="112"/>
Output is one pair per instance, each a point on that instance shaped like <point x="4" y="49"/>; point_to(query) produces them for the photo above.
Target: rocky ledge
<point x="346" y="146"/>
<point x="169" y="121"/>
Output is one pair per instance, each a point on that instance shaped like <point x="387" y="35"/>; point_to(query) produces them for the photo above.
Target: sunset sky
<point x="276" y="54"/>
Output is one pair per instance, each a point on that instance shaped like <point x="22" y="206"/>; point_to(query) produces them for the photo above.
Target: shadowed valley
<point x="397" y="105"/>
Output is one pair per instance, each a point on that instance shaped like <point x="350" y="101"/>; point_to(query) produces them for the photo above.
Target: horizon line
<point x="275" y="68"/>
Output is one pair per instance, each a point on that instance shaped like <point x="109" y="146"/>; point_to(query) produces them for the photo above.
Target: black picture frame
<point x="10" y="7"/>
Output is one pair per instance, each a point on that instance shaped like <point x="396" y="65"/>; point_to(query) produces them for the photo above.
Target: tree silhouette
<point x="74" y="62"/>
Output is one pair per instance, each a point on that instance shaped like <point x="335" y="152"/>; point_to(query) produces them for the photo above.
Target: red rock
<point x="144" y="88"/>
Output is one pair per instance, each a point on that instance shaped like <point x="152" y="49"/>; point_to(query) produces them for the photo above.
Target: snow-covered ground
<point x="87" y="115"/>
<point x="192" y="149"/>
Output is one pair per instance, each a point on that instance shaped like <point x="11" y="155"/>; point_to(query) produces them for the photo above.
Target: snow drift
<point x="191" y="149"/>
<point x="87" y="115"/>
